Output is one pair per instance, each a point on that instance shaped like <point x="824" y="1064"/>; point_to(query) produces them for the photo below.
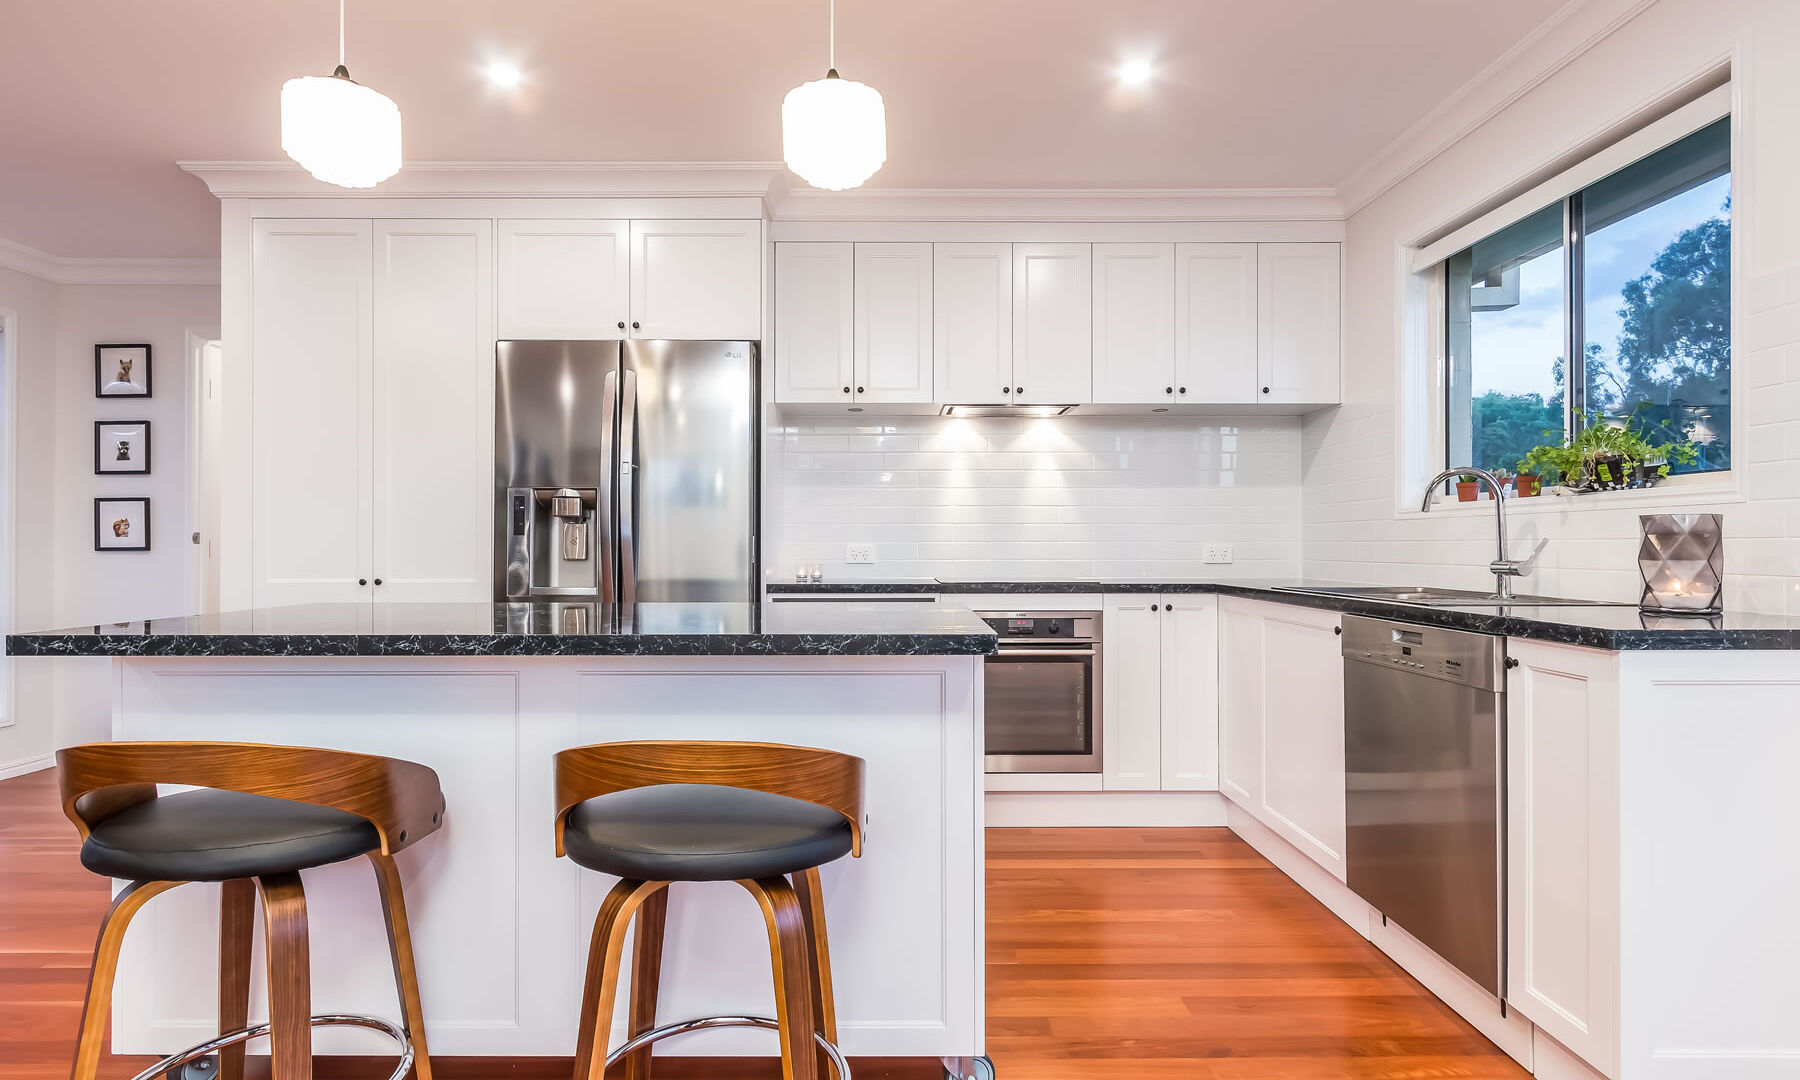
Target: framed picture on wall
<point x="121" y="524"/>
<point x="121" y="446"/>
<point x="121" y="371"/>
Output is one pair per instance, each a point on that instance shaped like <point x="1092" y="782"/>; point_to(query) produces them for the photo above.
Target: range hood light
<point x="1021" y="411"/>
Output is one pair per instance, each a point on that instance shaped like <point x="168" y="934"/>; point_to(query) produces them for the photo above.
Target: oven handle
<point x="1004" y="651"/>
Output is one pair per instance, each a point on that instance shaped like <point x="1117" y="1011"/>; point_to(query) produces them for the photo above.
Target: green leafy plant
<point x="1573" y="461"/>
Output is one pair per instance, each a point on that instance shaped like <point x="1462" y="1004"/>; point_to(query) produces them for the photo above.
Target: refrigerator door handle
<point x="628" y="418"/>
<point x="603" y="502"/>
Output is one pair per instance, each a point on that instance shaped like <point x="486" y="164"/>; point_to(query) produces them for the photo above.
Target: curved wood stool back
<point x="793" y="909"/>
<point x="401" y="799"/>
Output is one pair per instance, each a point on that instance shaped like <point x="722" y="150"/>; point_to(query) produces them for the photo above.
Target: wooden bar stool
<point x="654" y="813"/>
<point x="263" y="814"/>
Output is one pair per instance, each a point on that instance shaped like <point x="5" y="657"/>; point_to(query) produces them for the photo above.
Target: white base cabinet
<point x="1282" y="722"/>
<point x="1160" y="714"/>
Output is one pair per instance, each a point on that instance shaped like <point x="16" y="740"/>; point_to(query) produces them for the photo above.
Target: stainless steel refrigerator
<point x="625" y="471"/>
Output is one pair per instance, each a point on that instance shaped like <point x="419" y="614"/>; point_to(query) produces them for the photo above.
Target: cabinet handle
<point x="1265" y="389"/>
<point x="1006" y="389"/>
<point x="377" y="581"/>
<point x="1338" y="630"/>
<point x="1184" y="389"/>
<point x="846" y="389"/>
<point x="621" y="326"/>
<point x="1168" y="389"/>
<point x="859" y="389"/>
<point x="362" y="581"/>
<point x="635" y="326"/>
<point x="1018" y="389"/>
<point x="1512" y="662"/>
<point x="1153" y="607"/>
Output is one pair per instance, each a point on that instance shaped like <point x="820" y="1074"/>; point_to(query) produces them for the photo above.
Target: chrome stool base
<point x="705" y="1022"/>
<point x="257" y="1031"/>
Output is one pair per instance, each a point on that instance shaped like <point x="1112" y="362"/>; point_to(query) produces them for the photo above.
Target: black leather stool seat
<point x="702" y="832"/>
<point x="209" y="835"/>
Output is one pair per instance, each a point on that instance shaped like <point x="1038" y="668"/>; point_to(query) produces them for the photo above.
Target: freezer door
<point x="687" y="471"/>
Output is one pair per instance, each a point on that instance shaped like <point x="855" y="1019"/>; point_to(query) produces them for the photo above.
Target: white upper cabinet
<point x="1134" y="324"/>
<point x="893" y="323"/>
<point x="1215" y="323"/>
<point x="814" y="317"/>
<point x="433" y="385"/>
<point x="972" y="325"/>
<point x="310" y="357"/>
<point x="1298" y="308"/>
<point x="698" y="280"/>
<point x="563" y="279"/>
<point x="1053" y="321"/>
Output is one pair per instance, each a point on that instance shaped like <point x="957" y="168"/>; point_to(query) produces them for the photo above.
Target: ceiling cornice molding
<point x="1061" y="204"/>
<point x="1575" y="28"/>
<point x="102" y="271"/>
<point x="492" y="179"/>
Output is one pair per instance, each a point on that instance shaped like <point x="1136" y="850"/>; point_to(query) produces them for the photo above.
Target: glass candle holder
<point x="1682" y="558"/>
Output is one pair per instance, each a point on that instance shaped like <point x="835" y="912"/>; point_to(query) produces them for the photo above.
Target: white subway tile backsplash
<point x="1074" y="497"/>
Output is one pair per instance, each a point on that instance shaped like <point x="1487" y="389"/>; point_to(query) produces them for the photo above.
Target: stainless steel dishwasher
<point x="1424" y="747"/>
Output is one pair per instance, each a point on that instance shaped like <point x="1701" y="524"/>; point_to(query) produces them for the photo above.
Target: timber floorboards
<point x="1112" y="954"/>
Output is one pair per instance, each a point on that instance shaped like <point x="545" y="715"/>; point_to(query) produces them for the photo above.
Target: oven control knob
<point x="1055" y="628"/>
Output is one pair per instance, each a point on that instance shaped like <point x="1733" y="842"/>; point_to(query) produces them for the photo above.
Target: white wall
<point x="1354" y="528"/>
<point x="1005" y="499"/>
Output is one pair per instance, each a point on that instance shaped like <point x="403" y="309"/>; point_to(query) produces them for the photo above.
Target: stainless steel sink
<point x="1430" y="596"/>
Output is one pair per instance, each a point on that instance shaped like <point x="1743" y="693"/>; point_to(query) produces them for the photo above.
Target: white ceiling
<point x="103" y="96"/>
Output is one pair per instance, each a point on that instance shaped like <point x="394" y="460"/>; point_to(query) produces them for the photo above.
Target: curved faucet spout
<point x="1504" y="569"/>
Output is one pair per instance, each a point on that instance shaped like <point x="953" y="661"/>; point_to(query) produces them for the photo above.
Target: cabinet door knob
<point x="621" y="326"/>
<point x="1265" y="389"/>
<point x="635" y="326"/>
<point x="362" y="581"/>
<point x="859" y="389"/>
<point x="1006" y="389"/>
<point x="1018" y="389"/>
<point x="377" y="581"/>
<point x="1153" y="607"/>
<point x="1338" y="630"/>
<point x="1168" y="389"/>
<point x="846" y="389"/>
<point x="1184" y="389"/>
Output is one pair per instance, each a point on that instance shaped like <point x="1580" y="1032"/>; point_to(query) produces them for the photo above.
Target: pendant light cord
<point x="340" y="33"/>
<point x="831" y="51"/>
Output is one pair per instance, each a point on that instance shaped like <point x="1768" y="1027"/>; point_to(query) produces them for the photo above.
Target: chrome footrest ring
<point x="257" y="1031"/>
<point x="703" y="1023"/>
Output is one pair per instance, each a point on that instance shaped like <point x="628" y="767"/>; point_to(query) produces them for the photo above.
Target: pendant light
<point x="834" y="130"/>
<point x="340" y="130"/>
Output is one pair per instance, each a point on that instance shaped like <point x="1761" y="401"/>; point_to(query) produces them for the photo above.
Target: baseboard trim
<point x="1104" y="809"/>
<point x="1512" y="1033"/>
<point x="27" y="765"/>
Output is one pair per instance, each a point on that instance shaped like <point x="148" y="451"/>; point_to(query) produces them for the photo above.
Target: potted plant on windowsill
<point x="1604" y="456"/>
<point x="1468" y="488"/>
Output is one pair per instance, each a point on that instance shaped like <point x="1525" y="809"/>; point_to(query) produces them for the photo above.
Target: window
<point x="1612" y="306"/>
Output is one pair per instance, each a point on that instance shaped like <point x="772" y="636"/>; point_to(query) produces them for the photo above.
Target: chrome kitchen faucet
<point x="1504" y="569"/>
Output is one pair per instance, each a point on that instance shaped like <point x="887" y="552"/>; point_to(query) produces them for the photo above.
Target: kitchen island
<point x="485" y="694"/>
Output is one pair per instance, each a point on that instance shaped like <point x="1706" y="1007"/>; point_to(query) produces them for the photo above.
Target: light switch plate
<point x="858" y="554"/>
<point x="1216" y="554"/>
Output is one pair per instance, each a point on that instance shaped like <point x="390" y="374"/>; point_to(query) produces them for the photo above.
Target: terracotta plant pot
<point x="1467" y="490"/>
<point x="1526" y="485"/>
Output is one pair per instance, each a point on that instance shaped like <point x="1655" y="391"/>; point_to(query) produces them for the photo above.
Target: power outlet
<point x="1216" y="554"/>
<point x="859" y="554"/>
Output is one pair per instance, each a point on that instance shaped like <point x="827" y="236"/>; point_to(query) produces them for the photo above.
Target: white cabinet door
<point x="1053" y="324"/>
<point x="1190" y="693"/>
<point x="433" y="402"/>
<point x="971" y="324"/>
<point x="1131" y="723"/>
<point x="698" y="280"/>
<point x="1300" y="337"/>
<point x="1215" y="323"/>
<point x="1134" y="324"/>
<point x="1303" y="731"/>
<point x="310" y="345"/>
<point x="893" y="323"/>
<point x="1562" y="840"/>
<point x="1240" y="702"/>
<point x="813" y="322"/>
<point x="563" y="279"/>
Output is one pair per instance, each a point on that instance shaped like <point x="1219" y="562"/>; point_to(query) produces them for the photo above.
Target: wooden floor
<point x="1112" y="954"/>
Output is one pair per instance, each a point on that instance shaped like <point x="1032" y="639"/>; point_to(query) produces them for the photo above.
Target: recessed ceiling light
<point x="504" y="75"/>
<point x="1135" y="72"/>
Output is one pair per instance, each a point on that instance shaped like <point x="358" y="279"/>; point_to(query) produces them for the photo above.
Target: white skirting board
<point x="1512" y="1033"/>
<point x="1104" y="809"/>
<point x="27" y="765"/>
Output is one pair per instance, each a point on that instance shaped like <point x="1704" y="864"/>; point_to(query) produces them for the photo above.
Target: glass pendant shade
<point x="340" y="131"/>
<point x="834" y="132"/>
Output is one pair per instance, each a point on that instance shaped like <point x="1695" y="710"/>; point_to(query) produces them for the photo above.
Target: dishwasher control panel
<point x="1453" y="655"/>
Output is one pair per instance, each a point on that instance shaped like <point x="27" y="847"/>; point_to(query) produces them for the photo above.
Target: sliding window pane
<point x="1656" y="289"/>
<point x="1505" y="328"/>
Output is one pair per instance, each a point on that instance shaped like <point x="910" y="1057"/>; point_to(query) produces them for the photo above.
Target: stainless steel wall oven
<point x="1043" y="692"/>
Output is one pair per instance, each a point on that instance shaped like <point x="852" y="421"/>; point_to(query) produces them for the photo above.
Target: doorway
<point x="206" y="356"/>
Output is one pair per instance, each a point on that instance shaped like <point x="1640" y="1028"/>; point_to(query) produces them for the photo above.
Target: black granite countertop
<point x="1616" y="627"/>
<point x="820" y="629"/>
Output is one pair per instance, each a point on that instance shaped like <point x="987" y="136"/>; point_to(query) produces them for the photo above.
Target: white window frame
<point x="1419" y="435"/>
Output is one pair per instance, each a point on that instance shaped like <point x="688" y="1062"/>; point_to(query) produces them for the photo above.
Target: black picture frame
<point x="101" y="380"/>
<point x="99" y="455"/>
<point x="100" y="524"/>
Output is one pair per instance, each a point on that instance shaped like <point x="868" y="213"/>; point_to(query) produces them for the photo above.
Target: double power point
<point x="1215" y="554"/>
<point x="859" y="554"/>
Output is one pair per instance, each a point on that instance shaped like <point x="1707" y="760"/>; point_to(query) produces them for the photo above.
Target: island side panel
<point x="502" y="925"/>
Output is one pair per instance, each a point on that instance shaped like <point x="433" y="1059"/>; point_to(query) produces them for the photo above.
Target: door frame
<point x="194" y="565"/>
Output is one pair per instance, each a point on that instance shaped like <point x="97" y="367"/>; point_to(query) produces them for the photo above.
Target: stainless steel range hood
<point x="1024" y="412"/>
